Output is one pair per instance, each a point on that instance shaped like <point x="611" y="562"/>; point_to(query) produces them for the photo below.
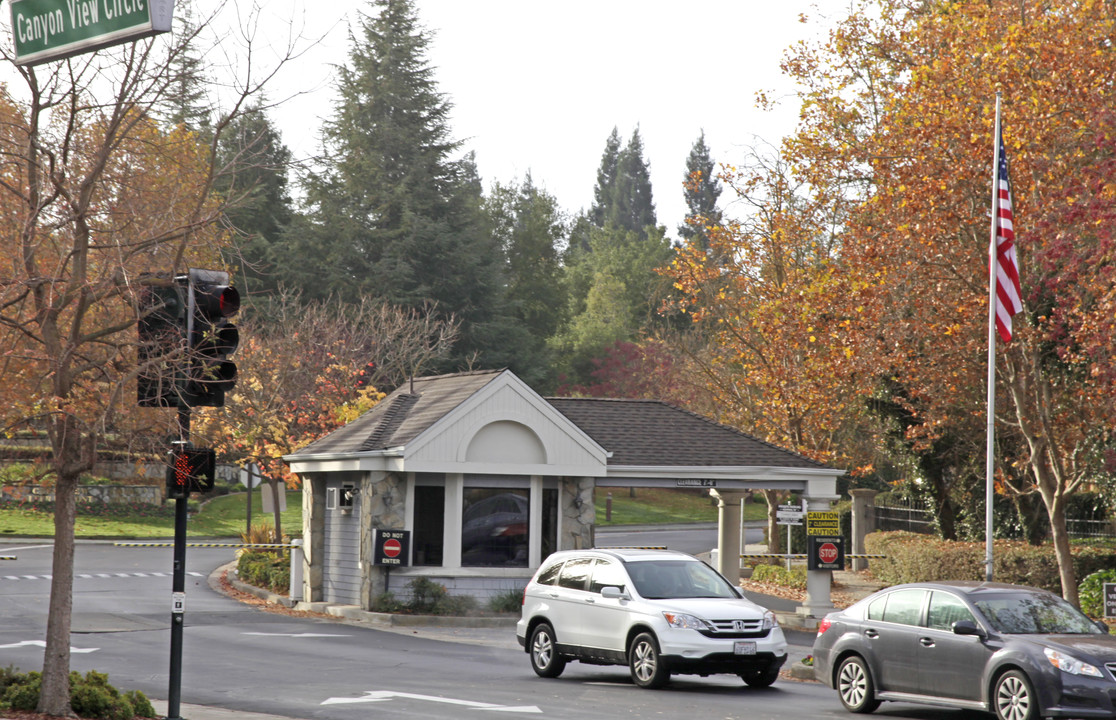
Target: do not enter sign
<point x="391" y="547"/>
<point x="826" y="553"/>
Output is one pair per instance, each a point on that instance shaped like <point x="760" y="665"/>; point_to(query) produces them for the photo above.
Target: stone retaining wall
<point x="108" y="494"/>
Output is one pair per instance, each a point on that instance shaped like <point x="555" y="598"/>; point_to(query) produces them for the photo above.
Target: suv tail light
<point x="824" y="625"/>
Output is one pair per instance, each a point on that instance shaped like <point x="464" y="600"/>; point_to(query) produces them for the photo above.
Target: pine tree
<point x="606" y="180"/>
<point x="186" y="102"/>
<point x="529" y="225"/>
<point x="702" y="190"/>
<point x="392" y="215"/>
<point x="622" y="197"/>
<point x="253" y="164"/>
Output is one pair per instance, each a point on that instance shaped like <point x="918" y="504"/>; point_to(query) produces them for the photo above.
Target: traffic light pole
<point x="178" y="583"/>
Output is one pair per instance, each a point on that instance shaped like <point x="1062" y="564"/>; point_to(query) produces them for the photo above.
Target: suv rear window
<point x="549" y="574"/>
<point x="574" y="573"/>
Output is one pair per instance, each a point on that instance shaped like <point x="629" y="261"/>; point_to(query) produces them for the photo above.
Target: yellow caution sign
<point x="823" y="524"/>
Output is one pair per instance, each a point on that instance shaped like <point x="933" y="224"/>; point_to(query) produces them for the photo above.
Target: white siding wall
<point x="341" y="560"/>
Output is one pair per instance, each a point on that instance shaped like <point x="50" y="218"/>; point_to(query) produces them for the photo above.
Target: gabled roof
<point x="423" y="426"/>
<point x="653" y="434"/>
<point x="403" y="415"/>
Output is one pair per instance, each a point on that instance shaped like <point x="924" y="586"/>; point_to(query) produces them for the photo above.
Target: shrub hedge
<point x="266" y="570"/>
<point x="91" y="696"/>
<point x="911" y="557"/>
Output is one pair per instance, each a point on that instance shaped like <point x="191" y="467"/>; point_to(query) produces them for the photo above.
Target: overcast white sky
<point x="538" y="86"/>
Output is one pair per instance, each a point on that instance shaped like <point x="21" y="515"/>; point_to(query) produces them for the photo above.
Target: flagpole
<point x="989" y="467"/>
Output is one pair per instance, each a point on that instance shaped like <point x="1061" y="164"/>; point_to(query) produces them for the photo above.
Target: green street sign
<point x="46" y="30"/>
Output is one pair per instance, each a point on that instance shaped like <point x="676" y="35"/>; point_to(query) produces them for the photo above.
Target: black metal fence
<point x="915" y="516"/>
<point x="910" y="516"/>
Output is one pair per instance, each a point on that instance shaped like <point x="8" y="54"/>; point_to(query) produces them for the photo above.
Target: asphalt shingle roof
<point x="653" y="433"/>
<point x="637" y="432"/>
<point x="402" y="415"/>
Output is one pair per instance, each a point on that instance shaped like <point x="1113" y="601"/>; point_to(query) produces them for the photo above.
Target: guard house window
<point x="494" y="528"/>
<point x="430" y="510"/>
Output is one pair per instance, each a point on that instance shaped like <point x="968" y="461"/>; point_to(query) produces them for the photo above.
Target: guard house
<point x="488" y="478"/>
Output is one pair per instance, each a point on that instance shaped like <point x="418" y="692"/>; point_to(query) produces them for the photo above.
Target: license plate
<point x="744" y="647"/>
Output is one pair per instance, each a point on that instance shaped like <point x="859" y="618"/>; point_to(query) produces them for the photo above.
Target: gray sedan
<point x="1020" y="652"/>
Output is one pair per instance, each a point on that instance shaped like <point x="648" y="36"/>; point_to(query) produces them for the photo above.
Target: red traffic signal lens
<point x="229" y="302"/>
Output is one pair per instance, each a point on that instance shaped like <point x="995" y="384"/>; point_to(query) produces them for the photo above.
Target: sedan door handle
<point x="926" y="642"/>
<point x="872" y="634"/>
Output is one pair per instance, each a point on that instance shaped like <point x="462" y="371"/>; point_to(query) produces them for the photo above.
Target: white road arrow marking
<point x="380" y="695"/>
<point x="42" y="644"/>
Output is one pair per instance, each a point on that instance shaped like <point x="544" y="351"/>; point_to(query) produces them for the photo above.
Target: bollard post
<point x="296" y="570"/>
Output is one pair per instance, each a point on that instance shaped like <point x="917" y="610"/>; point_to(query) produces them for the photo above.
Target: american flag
<point x="1007" y="267"/>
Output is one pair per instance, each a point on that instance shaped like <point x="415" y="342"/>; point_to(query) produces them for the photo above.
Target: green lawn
<point x="223" y="516"/>
<point x="657" y="506"/>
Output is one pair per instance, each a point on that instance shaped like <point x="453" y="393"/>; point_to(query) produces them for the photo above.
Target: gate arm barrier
<point x="208" y="545"/>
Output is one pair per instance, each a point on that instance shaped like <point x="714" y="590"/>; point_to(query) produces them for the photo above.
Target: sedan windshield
<point x="661" y="579"/>
<point x="1034" y="613"/>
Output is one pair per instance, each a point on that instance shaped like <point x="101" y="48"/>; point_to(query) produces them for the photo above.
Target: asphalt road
<point x="240" y="658"/>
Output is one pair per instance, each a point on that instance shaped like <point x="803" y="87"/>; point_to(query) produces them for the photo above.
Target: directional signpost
<point x="790" y="515"/>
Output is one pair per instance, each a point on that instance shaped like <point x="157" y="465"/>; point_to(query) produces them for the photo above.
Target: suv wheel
<point x="761" y="678"/>
<point x="648" y="670"/>
<point x="545" y="660"/>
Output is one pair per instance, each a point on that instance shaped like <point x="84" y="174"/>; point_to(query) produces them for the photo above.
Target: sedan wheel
<point x="545" y="660"/>
<point x="1015" y="698"/>
<point x="647" y="668"/>
<point x="854" y="685"/>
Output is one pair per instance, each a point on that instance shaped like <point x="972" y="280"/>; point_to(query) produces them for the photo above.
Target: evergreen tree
<point x="622" y="197"/>
<point x="253" y="164"/>
<point x="606" y="180"/>
<point x="186" y="102"/>
<point x="633" y="207"/>
<point x="702" y="190"/>
<point x="391" y="214"/>
<point x="528" y="224"/>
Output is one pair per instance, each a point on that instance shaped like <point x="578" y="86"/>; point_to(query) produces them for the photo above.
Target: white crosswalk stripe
<point x="104" y="576"/>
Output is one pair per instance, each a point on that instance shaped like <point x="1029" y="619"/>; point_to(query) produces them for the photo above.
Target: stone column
<point x="863" y="522"/>
<point x="818" y="582"/>
<point x="313" y="532"/>
<point x="728" y="533"/>
<point x="383" y="506"/>
<point x="579" y="515"/>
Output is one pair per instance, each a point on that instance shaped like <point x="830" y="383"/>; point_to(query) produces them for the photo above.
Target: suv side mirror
<point x="967" y="627"/>
<point x="614" y="593"/>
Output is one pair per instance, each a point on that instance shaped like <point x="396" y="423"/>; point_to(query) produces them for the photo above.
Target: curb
<point x="798" y="671"/>
<point x="352" y="612"/>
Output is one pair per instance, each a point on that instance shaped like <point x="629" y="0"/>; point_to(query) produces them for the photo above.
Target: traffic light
<point x="190" y="470"/>
<point x="162" y="317"/>
<point x="212" y="338"/>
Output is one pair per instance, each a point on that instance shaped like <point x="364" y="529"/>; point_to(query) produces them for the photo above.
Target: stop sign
<point x="827" y="553"/>
<point x="392" y="548"/>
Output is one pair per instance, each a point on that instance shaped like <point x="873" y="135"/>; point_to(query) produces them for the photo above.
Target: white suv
<point x="657" y="611"/>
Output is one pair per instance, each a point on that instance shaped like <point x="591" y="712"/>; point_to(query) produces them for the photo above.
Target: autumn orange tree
<point x="778" y="357"/>
<point x="306" y="369"/>
<point x="899" y="111"/>
<point x="97" y="199"/>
